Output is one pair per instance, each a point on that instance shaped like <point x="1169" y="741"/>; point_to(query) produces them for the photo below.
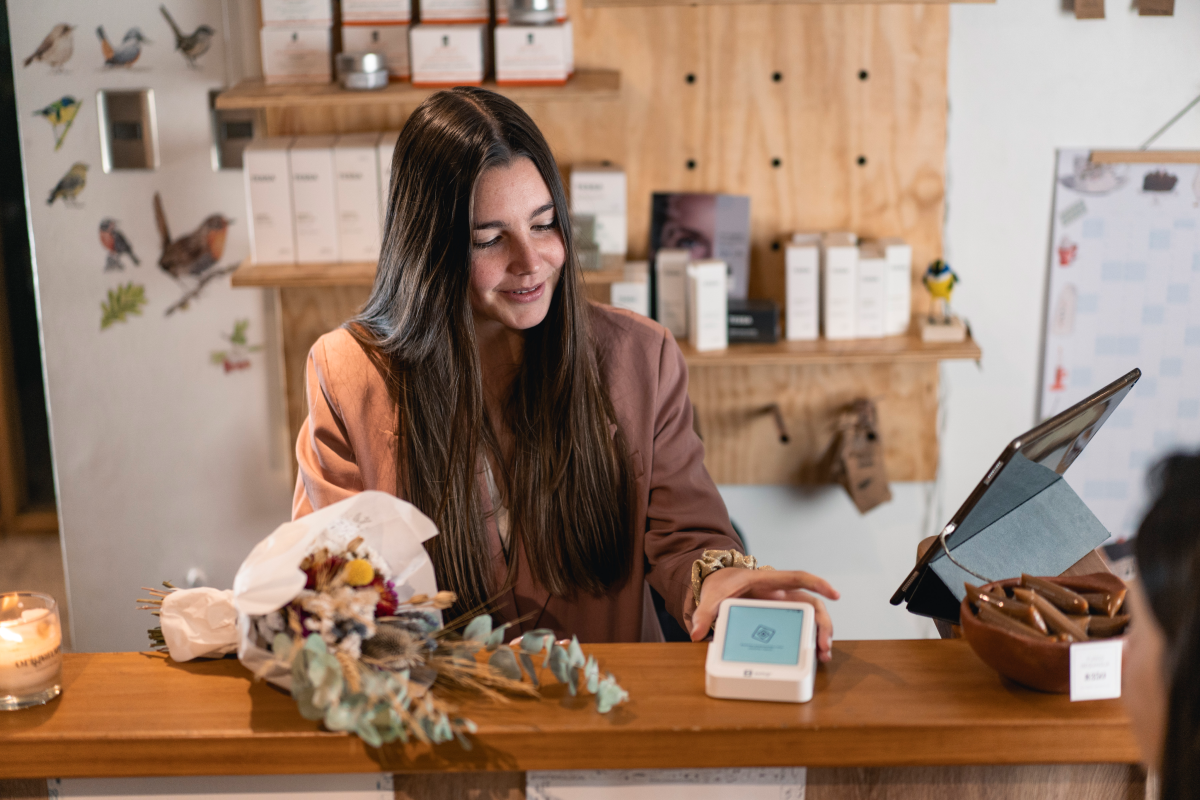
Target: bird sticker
<point x="192" y="259"/>
<point x="70" y="185"/>
<point x="60" y="114"/>
<point x="56" y="49"/>
<point x="237" y="357"/>
<point x="123" y="302"/>
<point x="116" y="245"/>
<point x="127" y="53"/>
<point x="192" y="45"/>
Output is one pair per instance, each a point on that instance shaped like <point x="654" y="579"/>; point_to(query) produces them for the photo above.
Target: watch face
<point x="763" y="635"/>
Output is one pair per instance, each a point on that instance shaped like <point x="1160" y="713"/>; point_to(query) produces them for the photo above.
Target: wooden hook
<point x="777" y="414"/>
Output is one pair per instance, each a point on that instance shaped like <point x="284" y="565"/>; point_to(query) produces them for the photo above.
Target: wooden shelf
<point x="586" y="85"/>
<point x="893" y="349"/>
<point x="291" y="276"/>
<point x="650" y="3"/>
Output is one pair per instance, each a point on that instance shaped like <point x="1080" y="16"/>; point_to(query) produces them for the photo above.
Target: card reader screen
<point x="763" y="635"/>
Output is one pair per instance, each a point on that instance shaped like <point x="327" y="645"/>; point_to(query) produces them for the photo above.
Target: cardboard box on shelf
<point x="391" y="40"/>
<point x="356" y="184"/>
<point x="898" y="287"/>
<point x="753" y="321"/>
<point x="269" y="201"/>
<point x="314" y="204"/>
<point x="600" y="190"/>
<point x="447" y="55"/>
<point x="374" y="12"/>
<point x="708" y="311"/>
<point x="289" y="13"/>
<point x="532" y="55"/>
<point x="802" y="267"/>
<point x="455" y="11"/>
<point x="633" y="293"/>
<point x="870" y="293"/>
<point x="296" y="55"/>
<point x="839" y="282"/>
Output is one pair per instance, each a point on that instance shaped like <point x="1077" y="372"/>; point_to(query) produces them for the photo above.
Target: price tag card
<point x="1096" y="670"/>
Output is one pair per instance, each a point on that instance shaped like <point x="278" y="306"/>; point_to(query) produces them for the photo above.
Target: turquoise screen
<point x="763" y="635"/>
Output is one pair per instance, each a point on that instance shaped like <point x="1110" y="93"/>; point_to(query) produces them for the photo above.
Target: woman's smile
<point x="528" y="295"/>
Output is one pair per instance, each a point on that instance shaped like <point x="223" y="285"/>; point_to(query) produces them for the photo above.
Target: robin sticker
<point x="115" y="243"/>
<point x="192" y="260"/>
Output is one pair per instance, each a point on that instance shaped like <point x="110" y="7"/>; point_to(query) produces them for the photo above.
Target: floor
<point x="33" y="562"/>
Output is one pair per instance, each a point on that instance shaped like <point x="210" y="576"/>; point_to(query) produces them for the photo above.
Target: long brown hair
<point x="568" y="485"/>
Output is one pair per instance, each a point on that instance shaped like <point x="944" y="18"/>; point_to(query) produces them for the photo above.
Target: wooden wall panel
<point x="741" y="440"/>
<point x="732" y="120"/>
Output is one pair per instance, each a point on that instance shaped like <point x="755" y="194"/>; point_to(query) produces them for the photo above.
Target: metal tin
<point x="531" y="12"/>
<point x="362" y="71"/>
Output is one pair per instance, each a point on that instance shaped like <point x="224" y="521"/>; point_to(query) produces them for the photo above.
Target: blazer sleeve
<point x="685" y="514"/>
<point x="328" y="470"/>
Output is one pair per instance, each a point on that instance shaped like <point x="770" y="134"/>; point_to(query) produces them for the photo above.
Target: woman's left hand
<point x="765" y="584"/>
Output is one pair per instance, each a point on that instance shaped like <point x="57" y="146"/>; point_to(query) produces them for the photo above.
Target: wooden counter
<point x="876" y="704"/>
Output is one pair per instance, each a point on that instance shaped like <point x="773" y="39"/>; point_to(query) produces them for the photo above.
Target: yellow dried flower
<point x="359" y="572"/>
<point x="443" y="600"/>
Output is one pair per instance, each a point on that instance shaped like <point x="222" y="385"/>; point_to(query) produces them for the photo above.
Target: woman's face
<point x="517" y="250"/>
<point x="1144" y="681"/>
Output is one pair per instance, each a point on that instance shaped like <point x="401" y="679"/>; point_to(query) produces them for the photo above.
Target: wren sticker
<point x="56" y="49"/>
<point x="61" y="115"/>
<point x="192" y="260"/>
<point x="124" y="53"/>
<point x="237" y="356"/>
<point x="190" y="45"/>
<point x="69" y="186"/>
<point x="122" y="302"/>
<point x="116" y="246"/>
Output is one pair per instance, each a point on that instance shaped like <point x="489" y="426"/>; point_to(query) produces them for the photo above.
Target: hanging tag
<point x="1089" y="9"/>
<point x="1096" y="670"/>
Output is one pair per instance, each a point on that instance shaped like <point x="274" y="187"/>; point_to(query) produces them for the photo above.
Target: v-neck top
<point x="349" y="443"/>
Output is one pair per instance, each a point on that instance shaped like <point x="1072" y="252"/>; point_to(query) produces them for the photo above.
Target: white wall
<point x="163" y="460"/>
<point x="1025" y="79"/>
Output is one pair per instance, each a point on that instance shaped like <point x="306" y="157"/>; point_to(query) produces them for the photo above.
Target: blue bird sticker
<point x="60" y="114"/>
<point x="127" y="52"/>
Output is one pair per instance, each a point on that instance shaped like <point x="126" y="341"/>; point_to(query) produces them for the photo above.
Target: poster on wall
<point x="1124" y="292"/>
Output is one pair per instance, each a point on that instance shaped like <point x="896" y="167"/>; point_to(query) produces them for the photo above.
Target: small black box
<point x="753" y="321"/>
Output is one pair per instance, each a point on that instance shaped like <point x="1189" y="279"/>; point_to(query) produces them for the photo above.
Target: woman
<point x="549" y="439"/>
<point x="1162" y="669"/>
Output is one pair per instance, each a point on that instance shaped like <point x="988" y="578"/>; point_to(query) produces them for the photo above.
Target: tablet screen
<point x="763" y="635"/>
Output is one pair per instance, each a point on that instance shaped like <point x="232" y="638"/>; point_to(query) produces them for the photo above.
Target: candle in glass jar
<point x="30" y="647"/>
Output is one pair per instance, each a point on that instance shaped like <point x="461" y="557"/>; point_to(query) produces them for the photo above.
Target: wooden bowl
<point x="1043" y="665"/>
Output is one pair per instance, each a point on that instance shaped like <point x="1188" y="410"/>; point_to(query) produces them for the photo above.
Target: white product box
<point x="670" y="288"/>
<point x="435" y="11"/>
<point x="356" y="187"/>
<point x="632" y="296"/>
<point x="802" y="268"/>
<point x="376" y="11"/>
<point x="600" y="190"/>
<point x="839" y="279"/>
<point x="898" y="287"/>
<point x="291" y="12"/>
<point x="296" y="55"/>
<point x="870" y="293"/>
<point x="269" y="201"/>
<point x="447" y="55"/>
<point x="391" y="40"/>
<point x="529" y="55"/>
<point x="708" y="305"/>
<point x="385" y="149"/>
<point x="560" y="11"/>
<point x="314" y="204"/>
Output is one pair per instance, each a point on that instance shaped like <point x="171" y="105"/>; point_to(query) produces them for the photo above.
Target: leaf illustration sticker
<point x="122" y="302"/>
<point x="237" y="357"/>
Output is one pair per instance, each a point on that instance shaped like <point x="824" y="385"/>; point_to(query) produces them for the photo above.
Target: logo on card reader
<point x="763" y="634"/>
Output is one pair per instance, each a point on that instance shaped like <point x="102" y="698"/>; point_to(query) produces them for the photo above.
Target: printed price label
<point x="1096" y="670"/>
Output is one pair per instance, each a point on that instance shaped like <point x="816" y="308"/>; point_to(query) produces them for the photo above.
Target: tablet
<point x="762" y="650"/>
<point x="1030" y="465"/>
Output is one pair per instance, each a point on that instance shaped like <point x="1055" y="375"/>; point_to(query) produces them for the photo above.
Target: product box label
<point x="296" y="55"/>
<point x="455" y="11"/>
<point x="529" y="54"/>
<point x="446" y="54"/>
<point x="376" y="11"/>
<point x="356" y="176"/>
<point x="290" y="12"/>
<point x="391" y="40"/>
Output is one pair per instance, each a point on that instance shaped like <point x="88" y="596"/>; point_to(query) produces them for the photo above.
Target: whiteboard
<point x="1124" y="292"/>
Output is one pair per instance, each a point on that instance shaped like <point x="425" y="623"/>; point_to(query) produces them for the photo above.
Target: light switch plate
<point x="128" y="129"/>
<point x="232" y="130"/>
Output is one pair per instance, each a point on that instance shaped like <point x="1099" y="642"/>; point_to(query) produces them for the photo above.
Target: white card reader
<point x="762" y="650"/>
